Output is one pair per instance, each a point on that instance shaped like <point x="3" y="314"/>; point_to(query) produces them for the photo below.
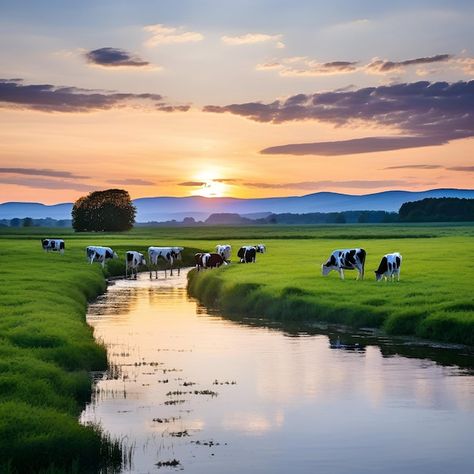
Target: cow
<point x="100" y="254"/>
<point x="132" y="261"/>
<point x="208" y="260"/>
<point x="260" y="248"/>
<point x="347" y="259"/>
<point x="53" y="245"/>
<point x="247" y="254"/>
<point x="224" y="251"/>
<point x="389" y="267"/>
<point x="168" y="254"/>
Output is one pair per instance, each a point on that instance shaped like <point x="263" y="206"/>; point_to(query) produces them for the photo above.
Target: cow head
<point x="115" y="255"/>
<point x="378" y="276"/>
<point x="325" y="269"/>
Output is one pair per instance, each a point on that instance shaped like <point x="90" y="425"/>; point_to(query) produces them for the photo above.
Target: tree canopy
<point x="99" y="211"/>
<point x="438" y="210"/>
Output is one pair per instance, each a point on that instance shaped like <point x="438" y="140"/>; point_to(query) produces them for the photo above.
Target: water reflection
<point x="223" y="396"/>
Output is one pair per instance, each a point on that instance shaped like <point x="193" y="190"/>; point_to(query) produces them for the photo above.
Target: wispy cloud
<point x="415" y="167"/>
<point x="325" y="184"/>
<point x="114" y="57"/>
<point x="192" y="183"/>
<point x="42" y="172"/>
<point x="50" y="98"/>
<point x="303" y="66"/>
<point x="384" y="66"/>
<point x="427" y="114"/>
<point x="131" y="182"/>
<point x="354" y="146"/>
<point x="161" y="34"/>
<point x="44" y="183"/>
<point x="253" y="38"/>
<point x="466" y="169"/>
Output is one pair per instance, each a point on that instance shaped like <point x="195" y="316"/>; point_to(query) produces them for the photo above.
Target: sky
<point x="245" y="98"/>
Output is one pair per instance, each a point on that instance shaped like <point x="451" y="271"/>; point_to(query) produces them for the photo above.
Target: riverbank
<point x="433" y="300"/>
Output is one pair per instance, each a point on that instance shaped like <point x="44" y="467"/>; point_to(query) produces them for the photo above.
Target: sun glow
<point x="210" y="185"/>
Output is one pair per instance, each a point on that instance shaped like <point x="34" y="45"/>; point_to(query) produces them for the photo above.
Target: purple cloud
<point x="428" y="114"/>
<point x="114" y="57"/>
<point x="41" y="172"/>
<point x="385" y="66"/>
<point x="49" y="98"/>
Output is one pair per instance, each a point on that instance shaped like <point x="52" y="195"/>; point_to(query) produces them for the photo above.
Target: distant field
<point x="47" y="349"/>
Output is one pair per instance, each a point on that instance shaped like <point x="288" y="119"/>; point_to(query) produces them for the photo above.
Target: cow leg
<point x="341" y="273"/>
<point x="126" y="271"/>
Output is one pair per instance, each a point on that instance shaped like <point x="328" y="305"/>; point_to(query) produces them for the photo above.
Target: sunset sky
<point x="244" y="98"/>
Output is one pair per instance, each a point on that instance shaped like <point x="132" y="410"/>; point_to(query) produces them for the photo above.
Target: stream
<point x="206" y="394"/>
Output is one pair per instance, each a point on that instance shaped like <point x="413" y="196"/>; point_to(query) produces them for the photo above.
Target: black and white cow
<point x="260" y="248"/>
<point x="100" y="254"/>
<point x="53" y="245"/>
<point x="389" y="267"/>
<point x="347" y="259"/>
<point x="132" y="261"/>
<point x="208" y="260"/>
<point x="168" y="254"/>
<point x="247" y="254"/>
<point x="224" y="250"/>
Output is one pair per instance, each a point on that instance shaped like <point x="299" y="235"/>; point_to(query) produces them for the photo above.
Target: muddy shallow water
<point x="222" y="397"/>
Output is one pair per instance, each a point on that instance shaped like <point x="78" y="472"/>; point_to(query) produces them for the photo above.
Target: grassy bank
<point x="47" y="352"/>
<point x="433" y="300"/>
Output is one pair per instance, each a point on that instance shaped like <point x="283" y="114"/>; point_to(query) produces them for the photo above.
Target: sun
<point x="210" y="184"/>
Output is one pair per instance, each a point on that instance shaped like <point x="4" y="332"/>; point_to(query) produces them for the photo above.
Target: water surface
<point x="223" y="397"/>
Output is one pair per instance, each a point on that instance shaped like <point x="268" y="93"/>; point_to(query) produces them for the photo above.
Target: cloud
<point x="114" y="57"/>
<point x="192" y="183"/>
<point x="50" y="98"/>
<point x="41" y="172"/>
<point x="313" y="185"/>
<point x="432" y="167"/>
<point x="303" y="66"/>
<point x="131" y="182"/>
<point x="253" y="38"/>
<point x="468" y="169"/>
<point x="383" y="66"/>
<point x="46" y="183"/>
<point x="161" y="34"/>
<point x="426" y="113"/>
<point x="354" y="146"/>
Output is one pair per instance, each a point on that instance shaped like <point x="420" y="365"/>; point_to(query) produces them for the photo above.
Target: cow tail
<point x="362" y="261"/>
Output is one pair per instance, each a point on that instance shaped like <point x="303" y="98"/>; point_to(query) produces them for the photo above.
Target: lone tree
<point x="109" y="210"/>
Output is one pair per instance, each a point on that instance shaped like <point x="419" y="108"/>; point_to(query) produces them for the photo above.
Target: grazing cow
<point x="224" y="251"/>
<point x="132" y="261"/>
<point x="168" y="254"/>
<point x="260" y="248"/>
<point x="100" y="254"/>
<point x="348" y="259"/>
<point x="53" y="245"/>
<point x="247" y="254"/>
<point x="389" y="267"/>
<point x="208" y="260"/>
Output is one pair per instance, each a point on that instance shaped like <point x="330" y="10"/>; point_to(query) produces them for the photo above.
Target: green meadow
<point x="47" y="350"/>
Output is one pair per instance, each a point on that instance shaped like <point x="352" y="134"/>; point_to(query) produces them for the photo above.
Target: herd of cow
<point x="339" y="260"/>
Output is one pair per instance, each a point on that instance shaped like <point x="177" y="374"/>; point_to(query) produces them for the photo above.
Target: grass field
<point x="47" y="350"/>
<point x="433" y="300"/>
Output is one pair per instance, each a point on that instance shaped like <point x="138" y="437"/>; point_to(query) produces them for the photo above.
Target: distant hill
<point x="200" y="208"/>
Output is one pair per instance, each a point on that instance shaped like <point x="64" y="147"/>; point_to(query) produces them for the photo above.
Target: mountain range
<point x="200" y="208"/>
